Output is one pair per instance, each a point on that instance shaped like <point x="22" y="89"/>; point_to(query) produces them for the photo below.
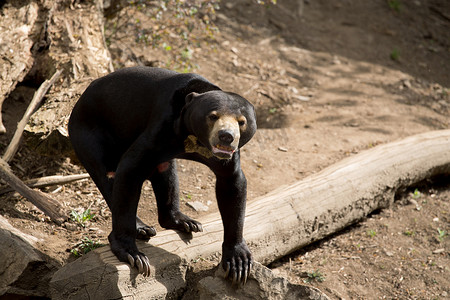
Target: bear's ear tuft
<point x="190" y="97"/>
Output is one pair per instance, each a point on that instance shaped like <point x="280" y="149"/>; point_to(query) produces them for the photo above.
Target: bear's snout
<point x="226" y="136"/>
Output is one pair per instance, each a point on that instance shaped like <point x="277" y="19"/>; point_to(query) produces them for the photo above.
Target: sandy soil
<point x="327" y="84"/>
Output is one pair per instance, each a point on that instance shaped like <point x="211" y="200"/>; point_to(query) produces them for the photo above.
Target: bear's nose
<point x="226" y="136"/>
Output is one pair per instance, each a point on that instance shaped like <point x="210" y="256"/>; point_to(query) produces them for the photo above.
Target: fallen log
<point x="275" y="225"/>
<point x="47" y="205"/>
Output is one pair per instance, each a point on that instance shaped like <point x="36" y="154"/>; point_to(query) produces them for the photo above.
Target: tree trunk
<point x="275" y="225"/>
<point x="77" y="46"/>
<point x="16" y="60"/>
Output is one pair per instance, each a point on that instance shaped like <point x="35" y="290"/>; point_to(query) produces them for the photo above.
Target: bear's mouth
<point x="222" y="151"/>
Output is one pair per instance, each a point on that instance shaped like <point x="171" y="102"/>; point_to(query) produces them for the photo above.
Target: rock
<point x="388" y="253"/>
<point x="439" y="251"/>
<point x="412" y="201"/>
<point x="262" y="284"/>
<point x="197" y="206"/>
<point x="20" y="262"/>
<point x="406" y="83"/>
<point x="70" y="226"/>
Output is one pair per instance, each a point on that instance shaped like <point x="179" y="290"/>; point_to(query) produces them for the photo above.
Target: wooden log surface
<point x="275" y="225"/>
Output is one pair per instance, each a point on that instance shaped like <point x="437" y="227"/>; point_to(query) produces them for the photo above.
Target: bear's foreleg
<point x="165" y="186"/>
<point x="231" y="193"/>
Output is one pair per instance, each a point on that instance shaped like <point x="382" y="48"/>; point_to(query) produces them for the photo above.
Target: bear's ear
<point x="190" y="97"/>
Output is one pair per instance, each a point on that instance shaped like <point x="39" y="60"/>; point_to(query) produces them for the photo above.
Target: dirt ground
<point x="394" y="254"/>
<point x="328" y="79"/>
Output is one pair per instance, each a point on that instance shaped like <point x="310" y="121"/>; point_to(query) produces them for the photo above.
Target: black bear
<point x="130" y="126"/>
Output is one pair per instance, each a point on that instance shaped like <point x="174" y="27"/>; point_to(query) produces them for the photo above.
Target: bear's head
<point x="221" y="121"/>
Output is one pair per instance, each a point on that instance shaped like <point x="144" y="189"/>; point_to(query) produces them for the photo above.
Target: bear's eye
<point x="242" y="121"/>
<point x="213" y="117"/>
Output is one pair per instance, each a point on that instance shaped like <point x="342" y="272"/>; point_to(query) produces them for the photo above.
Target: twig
<point x="48" y="181"/>
<point x="47" y="205"/>
<point x="37" y="98"/>
<point x="440" y="13"/>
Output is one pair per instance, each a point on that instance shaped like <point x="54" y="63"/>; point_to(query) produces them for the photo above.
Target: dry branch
<point x="37" y="98"/>
<point x="49" y="206"/>
<point x="275" y="225"/>
<point x="49" y="181"/>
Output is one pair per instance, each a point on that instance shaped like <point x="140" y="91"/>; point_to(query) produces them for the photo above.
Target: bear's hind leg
<point x="165" y="186"/>
<point x="96" y="155"/>
<point x="93" y="154"/>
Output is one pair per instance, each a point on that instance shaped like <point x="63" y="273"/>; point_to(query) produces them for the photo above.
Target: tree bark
<point x="275" y="225"/>
<point x="77" y="46"/>
<point x="16" y="60"/>
<point x="39" y="37"/>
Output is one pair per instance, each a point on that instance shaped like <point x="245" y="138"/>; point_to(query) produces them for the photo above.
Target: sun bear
<point x="131" y="125"/>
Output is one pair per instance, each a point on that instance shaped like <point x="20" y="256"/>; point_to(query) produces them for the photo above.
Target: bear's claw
<point x="141" y="263"/>
<point x="237" y="263"/>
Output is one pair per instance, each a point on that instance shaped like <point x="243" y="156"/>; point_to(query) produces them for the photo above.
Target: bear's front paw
<point x="237" y="262"/>
<point x="126" y="251"/>
<point x="181" y="222"/>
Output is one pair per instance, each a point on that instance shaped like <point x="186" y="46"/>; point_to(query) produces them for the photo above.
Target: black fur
<point x="130" y="126"/>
